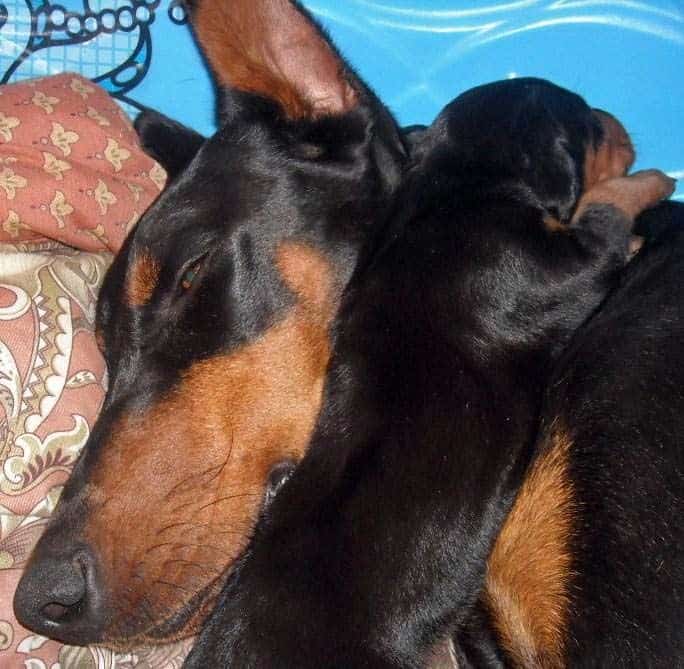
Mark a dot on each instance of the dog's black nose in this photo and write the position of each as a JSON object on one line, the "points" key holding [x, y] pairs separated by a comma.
{"points": [[58, 597]]}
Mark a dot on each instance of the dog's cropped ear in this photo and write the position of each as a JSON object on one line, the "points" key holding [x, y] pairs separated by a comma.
{"points": [[274, 49], [170, 143]]}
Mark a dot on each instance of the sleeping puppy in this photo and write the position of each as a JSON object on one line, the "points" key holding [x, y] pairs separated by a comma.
{"points": [[588, 571], [505, 237]]}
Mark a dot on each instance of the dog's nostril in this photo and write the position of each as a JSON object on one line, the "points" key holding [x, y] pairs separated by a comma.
{"points": [[67, 595], [55, 611]]}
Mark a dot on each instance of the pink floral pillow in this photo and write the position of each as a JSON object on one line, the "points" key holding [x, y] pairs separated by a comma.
{"points": [[70, 165], [73, 180]]}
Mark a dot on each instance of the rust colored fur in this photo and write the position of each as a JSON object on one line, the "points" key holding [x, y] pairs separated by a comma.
{"points": [[216, 353], [529, 570], [306, 272], [605, 168], [614, 157], [628, 194], [143, 277], [273, 389]]}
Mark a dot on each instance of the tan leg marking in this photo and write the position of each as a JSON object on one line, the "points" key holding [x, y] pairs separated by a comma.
{"points": [[631, 195], [529, 570]]}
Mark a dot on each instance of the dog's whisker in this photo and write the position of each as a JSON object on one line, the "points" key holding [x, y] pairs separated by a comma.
{"points": [[190, 563], [222, 500], [171, 585], [199, 480]]}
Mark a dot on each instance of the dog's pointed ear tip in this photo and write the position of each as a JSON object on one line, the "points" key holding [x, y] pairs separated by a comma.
{"points": [[151, 120], [277, 50], [168, 141]]}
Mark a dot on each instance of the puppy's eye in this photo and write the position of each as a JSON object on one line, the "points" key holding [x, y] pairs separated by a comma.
{"points": [[190, 275]]}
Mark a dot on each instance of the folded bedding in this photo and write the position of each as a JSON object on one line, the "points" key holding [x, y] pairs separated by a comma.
{"points": [[73, 181]]}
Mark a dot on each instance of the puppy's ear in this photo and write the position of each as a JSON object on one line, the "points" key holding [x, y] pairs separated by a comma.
{"points": [[274, 49], [170, 143]]}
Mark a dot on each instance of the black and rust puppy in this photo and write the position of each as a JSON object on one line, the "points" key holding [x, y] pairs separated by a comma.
{"points": [[589, 569], [498, 249]]}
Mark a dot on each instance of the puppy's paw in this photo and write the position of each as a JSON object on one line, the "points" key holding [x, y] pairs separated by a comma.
{"points": [[645, 189], [631, 194]]}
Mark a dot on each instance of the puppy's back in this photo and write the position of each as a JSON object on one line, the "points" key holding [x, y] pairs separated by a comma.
{"points": [[612, 426]]}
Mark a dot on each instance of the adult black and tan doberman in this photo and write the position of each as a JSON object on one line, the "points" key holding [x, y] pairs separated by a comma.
{"points": [[214, 322], [217, 322]]}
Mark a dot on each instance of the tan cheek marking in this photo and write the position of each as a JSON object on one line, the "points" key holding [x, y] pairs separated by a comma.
{"points": [[307, 273], [529, 570], [265, 47], [184, 482], [142, 279], [614, 156]]}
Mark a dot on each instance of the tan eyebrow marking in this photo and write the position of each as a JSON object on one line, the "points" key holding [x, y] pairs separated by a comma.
{"points": [[142, 279]]}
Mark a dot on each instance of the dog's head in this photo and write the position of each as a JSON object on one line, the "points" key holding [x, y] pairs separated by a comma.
{"points": [[214, 324], [531, 136]]}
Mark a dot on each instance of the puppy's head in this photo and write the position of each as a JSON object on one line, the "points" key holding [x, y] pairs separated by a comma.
{"points": [[214, 324], [532, 134]]}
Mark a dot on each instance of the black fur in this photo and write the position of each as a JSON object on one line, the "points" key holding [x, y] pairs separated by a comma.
{"points": [[376, 547], [167, 141], [620, 389]]}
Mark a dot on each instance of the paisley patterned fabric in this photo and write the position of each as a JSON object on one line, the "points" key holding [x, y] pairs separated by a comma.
{"points": [[72, 173]]}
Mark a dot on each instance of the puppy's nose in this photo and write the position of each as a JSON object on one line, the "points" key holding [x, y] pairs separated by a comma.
{"points": [[58, 596]]}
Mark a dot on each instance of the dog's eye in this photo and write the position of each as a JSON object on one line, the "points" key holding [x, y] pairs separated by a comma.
{"points": [[279, 475], [190, 275]]}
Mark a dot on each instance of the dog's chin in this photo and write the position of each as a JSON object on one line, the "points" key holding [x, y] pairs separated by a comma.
{"points": [[186, 621], [181, 625]]}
